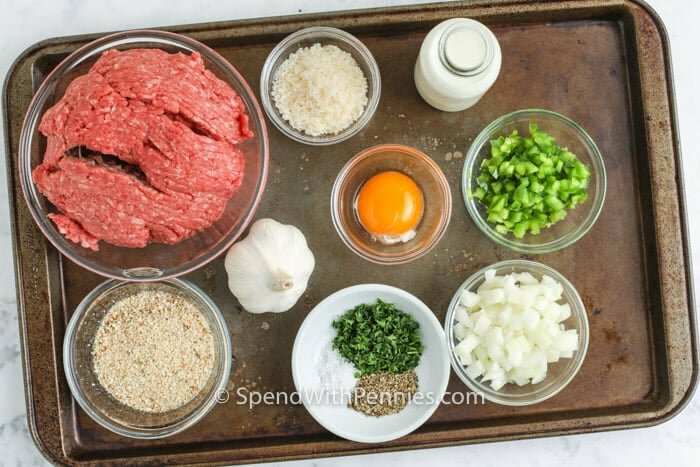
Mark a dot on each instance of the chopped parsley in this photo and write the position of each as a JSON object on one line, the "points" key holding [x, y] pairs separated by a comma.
{"points": [[378, 337]]}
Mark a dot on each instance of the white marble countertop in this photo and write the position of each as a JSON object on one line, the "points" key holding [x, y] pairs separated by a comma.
{"points": [[23, 23]]}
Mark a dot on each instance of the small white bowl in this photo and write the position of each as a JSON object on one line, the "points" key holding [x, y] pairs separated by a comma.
{"points": [[433, 369]]}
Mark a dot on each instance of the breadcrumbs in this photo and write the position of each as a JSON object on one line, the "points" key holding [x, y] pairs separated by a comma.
{"points": [[153, 351]]}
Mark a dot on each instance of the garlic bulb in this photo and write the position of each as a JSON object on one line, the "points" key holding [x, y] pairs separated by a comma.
{"points": [[269, 270]]}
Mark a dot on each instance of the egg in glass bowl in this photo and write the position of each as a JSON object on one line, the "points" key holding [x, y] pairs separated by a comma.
{"points": [[391, 204]]}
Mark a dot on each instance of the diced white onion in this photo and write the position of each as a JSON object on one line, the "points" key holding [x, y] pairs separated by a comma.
{"points": [[462, 316], [482, 326], [469, 299], [467, 345], [564, 312], [460, 331], [475, 370], [512, 328]]}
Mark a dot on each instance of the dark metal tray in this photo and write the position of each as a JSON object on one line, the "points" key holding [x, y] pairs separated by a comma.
{"points": [[605, 64]]}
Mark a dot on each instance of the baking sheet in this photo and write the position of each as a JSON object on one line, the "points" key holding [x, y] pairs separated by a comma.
{"points": [[604, 64]]}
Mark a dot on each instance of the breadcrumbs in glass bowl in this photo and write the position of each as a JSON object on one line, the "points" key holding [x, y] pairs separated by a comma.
{"points": [[147, 360]]}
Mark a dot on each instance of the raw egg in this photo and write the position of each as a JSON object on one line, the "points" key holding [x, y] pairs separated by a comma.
{"points": [[390, 206]]}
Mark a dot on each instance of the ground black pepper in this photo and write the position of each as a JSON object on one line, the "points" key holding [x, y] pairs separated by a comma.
{"points": [[384, 393]]}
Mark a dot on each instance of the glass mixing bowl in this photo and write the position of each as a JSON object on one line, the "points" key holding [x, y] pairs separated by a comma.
{"points": [[559, 374], [567, 133], [105, 409], [156, 261]]}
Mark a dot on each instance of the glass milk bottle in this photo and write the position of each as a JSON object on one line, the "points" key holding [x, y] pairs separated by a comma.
{"points": [[458, 62]]}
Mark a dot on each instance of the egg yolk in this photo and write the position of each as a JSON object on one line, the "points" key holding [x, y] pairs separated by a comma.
{"points": [[390, 203]]}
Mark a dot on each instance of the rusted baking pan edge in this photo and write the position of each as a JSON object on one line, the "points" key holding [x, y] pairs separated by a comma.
{"points": [[646, 35]]}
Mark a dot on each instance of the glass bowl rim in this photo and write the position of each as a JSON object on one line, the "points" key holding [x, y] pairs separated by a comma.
{"points": [[345, 37], [577, 308], [513, 244], [148, 273], [224, 345], [445, 215]]}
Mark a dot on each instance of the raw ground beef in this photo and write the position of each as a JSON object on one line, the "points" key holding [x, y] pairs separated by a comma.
{"points": [[142, 149]]}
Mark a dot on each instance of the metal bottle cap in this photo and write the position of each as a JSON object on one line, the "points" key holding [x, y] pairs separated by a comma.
{"points": [[465, 50]]}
